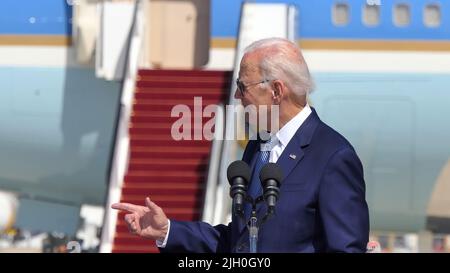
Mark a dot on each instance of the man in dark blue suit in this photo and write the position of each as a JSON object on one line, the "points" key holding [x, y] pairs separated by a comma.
{"points": [[322, 206]]}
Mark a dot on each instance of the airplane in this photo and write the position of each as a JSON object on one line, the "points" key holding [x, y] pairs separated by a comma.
{"points": [[381, 73]]}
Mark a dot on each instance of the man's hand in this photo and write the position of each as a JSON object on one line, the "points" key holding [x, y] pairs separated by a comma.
{"points": [[149, 222]]}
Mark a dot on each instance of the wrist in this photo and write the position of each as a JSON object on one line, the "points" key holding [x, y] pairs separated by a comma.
{"points": [[164, 232]]}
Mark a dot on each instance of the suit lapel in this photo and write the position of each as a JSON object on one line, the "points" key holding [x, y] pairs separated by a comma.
{"points": [[291, 156], [250, 151], [294, 151]]}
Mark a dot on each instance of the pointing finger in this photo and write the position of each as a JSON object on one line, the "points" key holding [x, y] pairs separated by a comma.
{"points": [[125, 207]]}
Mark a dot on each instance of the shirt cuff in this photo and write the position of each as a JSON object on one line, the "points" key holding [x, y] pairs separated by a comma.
{"points": [[163, 243]]}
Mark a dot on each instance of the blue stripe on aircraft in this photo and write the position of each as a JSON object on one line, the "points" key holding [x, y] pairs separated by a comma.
{"points": [[54, 16], [34, 17], [315, 20]]}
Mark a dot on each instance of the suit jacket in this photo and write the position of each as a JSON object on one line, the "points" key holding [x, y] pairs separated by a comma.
{"points": [[321, 208]]}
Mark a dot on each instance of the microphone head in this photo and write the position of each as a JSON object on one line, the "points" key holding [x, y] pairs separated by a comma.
{"points": [[271, 171], [238, 168]]}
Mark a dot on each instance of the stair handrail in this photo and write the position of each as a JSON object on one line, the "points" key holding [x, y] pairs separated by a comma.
{"points": [[228, 154], [214, 166], [120, 157]]}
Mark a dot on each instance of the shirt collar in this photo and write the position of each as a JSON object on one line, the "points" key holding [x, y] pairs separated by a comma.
{"points": [[286, 133]]}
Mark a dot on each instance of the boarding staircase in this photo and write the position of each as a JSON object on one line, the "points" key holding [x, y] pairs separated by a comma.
{"points": [[172, 173]]}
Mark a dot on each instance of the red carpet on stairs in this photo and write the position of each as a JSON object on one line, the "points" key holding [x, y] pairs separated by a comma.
{"points": [[172, 173]]}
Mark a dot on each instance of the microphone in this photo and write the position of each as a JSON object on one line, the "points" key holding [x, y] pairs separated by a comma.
{"points": [[238, 174], [270, 176]]}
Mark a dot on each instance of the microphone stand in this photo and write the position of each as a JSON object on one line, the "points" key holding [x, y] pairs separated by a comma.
{"points": [[253, 225]]}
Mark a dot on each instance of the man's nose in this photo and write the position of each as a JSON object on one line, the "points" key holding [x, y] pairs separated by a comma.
{"points": [[237, 94]]}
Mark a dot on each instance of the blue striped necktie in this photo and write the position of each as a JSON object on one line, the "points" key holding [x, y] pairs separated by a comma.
{"points": [[255, 188]]}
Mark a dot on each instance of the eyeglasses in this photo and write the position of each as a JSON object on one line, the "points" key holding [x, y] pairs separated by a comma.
{"points": [[241, 86]]}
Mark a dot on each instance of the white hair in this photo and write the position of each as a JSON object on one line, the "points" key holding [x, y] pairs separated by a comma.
{"points": [[283, 60]]}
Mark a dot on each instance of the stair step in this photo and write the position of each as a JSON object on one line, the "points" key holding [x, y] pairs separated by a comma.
{"points": [[171, 213], [126, 248], [185, 73], [134, 241], [173, 173], [169, 186], [160, 114], [164, 114], [181, 84], [186, 96], [167, 154], [129, 178], [163, 191], [171, 161], [173, 202], [161, 117], [125, 235], [163, 177], [157, 140], [182, 90], [155, 167], [143, 142], [166, 125], [157, 137], [160, 198], [151, 189], [166, 129], [172, 102], [181, 164], [169, 107], [169, 80], [152, 119], [190, 148], [126, 239]]}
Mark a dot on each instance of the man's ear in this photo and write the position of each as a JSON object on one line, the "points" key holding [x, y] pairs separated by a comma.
{"points": [[277, 91]]}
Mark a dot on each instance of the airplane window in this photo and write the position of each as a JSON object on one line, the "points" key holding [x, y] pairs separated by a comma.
{"points": [[432, 15], [402, 15], [341, 14], [371, 15]]}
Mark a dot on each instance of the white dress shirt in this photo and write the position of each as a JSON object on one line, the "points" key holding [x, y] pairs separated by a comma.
{"points": [[284, 135]]}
